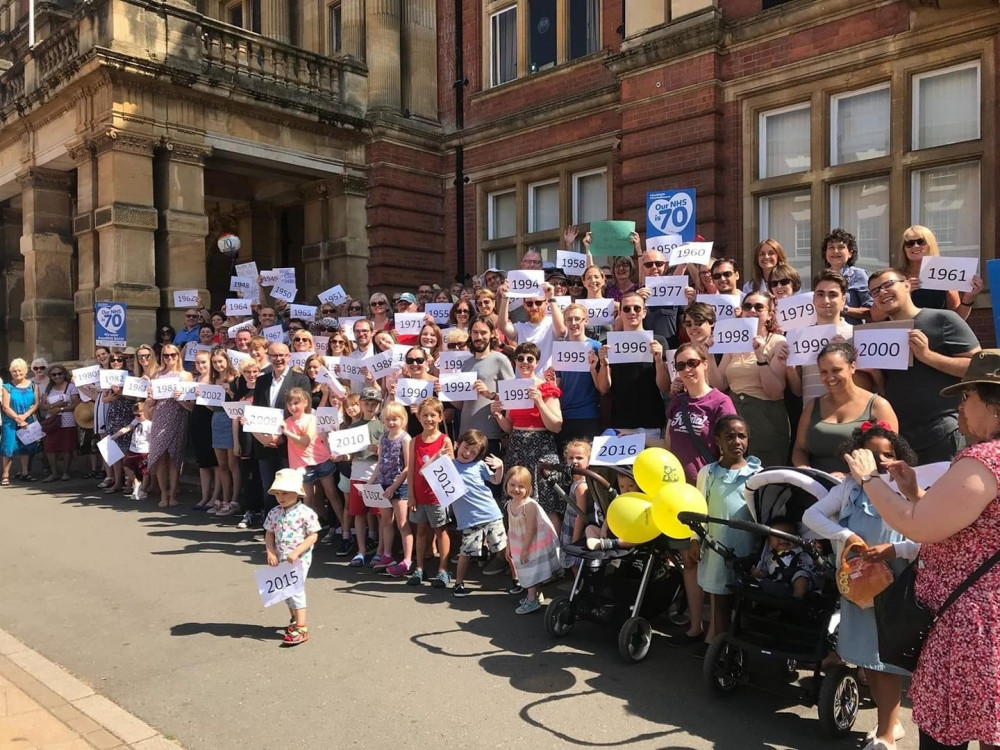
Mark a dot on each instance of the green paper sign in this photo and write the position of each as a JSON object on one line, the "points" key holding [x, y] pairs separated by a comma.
{"points": [[611, 238]]}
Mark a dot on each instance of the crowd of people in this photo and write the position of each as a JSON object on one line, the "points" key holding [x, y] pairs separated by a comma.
{"points": [[425, 380]]}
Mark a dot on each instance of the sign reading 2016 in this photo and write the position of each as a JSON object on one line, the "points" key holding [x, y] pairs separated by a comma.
{"points": [[671, 212]]}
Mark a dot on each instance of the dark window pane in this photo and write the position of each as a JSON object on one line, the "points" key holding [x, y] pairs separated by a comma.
{"points": [[236, 15], [584, 28], [542, 48], [255, 16]]}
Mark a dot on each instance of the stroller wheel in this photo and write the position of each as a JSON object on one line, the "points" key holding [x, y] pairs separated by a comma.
{"points": [[634, 639], [724, 667], [559, 618], [839, 701]]}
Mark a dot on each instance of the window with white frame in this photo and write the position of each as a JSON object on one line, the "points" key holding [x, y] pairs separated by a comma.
{"points": [[862, 208], [946, 200], [503, 46], [543, 206], [859, 125], [243, 13], [784, 141], [787, 217], [590, 196], [334, 28], [502, 214], [946, 106]]}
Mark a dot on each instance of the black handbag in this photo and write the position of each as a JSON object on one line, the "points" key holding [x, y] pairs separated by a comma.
{"points": [[903, 623]]}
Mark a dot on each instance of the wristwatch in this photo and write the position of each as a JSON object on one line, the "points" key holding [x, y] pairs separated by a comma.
{"points": [[867, 478]]}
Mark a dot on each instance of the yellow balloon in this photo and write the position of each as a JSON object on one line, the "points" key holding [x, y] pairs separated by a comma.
{"points": [[630, 517], [673, 499], [655, 467]]}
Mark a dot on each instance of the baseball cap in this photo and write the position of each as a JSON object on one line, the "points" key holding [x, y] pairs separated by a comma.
{"points": [[371, 394], [407, 297]]}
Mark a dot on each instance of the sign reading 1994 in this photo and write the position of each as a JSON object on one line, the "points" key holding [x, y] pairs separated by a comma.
{"points": [[671, 212]]}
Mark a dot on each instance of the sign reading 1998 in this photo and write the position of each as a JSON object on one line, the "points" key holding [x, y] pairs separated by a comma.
{"points": [[671, 212]]}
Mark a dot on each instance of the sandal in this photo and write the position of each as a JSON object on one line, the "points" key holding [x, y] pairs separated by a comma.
{"points": [[112, 490], [29, 478], [5, 482]]}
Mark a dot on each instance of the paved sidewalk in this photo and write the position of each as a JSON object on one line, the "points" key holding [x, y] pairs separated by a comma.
{"points": [[44, 706]]}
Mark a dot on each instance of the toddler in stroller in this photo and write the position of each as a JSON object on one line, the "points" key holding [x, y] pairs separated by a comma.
{"points": [[785, 568]]}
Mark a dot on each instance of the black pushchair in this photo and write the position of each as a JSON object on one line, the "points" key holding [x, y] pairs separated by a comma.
{"points": [[622, 588], [771, 623]]}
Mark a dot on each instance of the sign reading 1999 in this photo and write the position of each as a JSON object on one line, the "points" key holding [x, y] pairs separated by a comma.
{"points": [[671, 212]]}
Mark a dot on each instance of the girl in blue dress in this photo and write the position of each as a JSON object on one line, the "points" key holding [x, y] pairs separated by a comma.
{"points": [[846, 516]]}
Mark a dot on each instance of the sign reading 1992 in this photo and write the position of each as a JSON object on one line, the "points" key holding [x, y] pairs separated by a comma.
{"points": [[671, 212]]}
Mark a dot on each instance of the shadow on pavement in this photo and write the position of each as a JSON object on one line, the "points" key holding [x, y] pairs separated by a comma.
{"points": [[225, 630]]}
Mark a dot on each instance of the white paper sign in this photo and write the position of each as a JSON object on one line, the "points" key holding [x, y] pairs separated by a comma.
{"points": [[733, 336], [699, 253], [450, 362], [243, 284], [345, 442], [399, 355], [110, 451], [525, 283], [237, 357], [286, 275], [379, 365], [210, 395], [191, 350], [163, 388], [374, 496], [303, 312], [562, 301], [247, 269], [135, 387], [298, 359], [336, 387], [947, 273], [670, 356], [666, 291], [238, 308], [112, 378], [571, 356], [600, 312], [327, 418], [459, 387], [882, 348], [275, 584], [804, 344], [630, 346], [411, 391], [32, 433], [273, 333], [186, 390], [408, 323], [263, 420], [440, 311], [347, 326], [444, 481], [617, 450], [87, 375], [352, 369], [725, 305], [572, 263], [246, 325], [269, 278], [796, 311], [234, 409], [927, 475], [335, 295], [664, 244], [514, 393], [284, 291], [186, 298], [322, 344]]}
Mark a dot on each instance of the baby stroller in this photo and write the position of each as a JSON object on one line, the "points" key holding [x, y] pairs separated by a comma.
{"points": [[770, 623], [622, 588]]}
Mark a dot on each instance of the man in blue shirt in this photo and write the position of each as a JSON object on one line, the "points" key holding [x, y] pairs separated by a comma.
{"points": [[190, 330]]}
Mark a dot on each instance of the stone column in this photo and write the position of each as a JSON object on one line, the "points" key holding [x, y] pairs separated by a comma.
{"points": [[12, 280], [317, 273], [179, 194], [382, 33], [274, 20], [419, 44], [346, 252], [47, 247], [87, 247], [126, 220], [352, 27]]}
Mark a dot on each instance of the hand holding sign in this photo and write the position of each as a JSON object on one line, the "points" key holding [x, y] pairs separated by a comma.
{"points": [[947, 273], [440, 311], [630, 346], [600, 312], [459, 387], [612, 237], [444, 480], [238, 308], [411, 391], [725, 305], [262, 420], [666, 291], [571, 356], [572, 264], [335, 296], [797, 311], [515, 394], [882, 348], [345, 442], [187, 298], [733, 336], [210, 395], [698, 253], [277, 583], [373, 496], [523, 284], [409, 323], [109, 451], [805, 344], [163, 388]]}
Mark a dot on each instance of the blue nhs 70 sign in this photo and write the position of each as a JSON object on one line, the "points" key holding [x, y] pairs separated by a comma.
{"points": [[670, 212]]}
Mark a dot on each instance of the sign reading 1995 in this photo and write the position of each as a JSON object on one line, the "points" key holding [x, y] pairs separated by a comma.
{"points": [[670, 212]]}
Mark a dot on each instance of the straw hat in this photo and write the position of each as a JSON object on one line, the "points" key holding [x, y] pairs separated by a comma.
{"points": [[84, 414]]}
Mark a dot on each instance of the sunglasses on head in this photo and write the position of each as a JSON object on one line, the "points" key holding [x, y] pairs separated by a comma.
{"points": [[654, 264], [527, 358], [415, 360], [913, 243], [722, 275], [779, 282], [534, 303], [691, 363]]}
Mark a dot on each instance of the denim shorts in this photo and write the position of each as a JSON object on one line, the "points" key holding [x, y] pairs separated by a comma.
{"points": [[319, 471]]}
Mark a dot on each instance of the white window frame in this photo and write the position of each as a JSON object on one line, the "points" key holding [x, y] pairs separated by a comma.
{"points": [[532, 186], [491, 213], [915, 175], [834, 130], [517, 41], [334, 46], [915, 114], [762, 138], [576, 189]]}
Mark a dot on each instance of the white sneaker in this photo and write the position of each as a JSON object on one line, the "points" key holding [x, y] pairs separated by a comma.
{"points": [[140, 495], [244, 522], [898, 733]]}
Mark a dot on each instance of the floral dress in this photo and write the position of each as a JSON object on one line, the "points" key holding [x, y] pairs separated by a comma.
{"points": [[119, 416], [956, 687], [168, 435]]}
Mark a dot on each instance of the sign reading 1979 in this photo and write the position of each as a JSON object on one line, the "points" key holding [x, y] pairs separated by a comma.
{"points": [[670, 212]]}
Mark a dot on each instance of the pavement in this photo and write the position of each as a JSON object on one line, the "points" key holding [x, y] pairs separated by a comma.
{"points": [[153, 613]]}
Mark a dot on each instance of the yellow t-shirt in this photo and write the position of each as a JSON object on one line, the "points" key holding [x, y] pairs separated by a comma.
{"points": [[744, 374]]}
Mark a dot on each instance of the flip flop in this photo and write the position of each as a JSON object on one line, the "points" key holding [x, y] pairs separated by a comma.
{"points": [[5, 482]]}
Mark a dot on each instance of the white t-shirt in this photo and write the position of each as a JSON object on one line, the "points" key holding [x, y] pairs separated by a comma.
{"points": [[540, 335], [140, 436]]}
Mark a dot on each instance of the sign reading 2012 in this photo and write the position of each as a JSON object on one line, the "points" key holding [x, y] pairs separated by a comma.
{"points": [[671, 212]]}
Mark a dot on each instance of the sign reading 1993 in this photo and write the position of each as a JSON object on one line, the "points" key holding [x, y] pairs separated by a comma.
{"points": [[670, 212]]}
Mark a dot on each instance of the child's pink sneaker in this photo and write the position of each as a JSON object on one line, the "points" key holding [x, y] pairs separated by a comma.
{"points": [[385, 562], [400, 569]]}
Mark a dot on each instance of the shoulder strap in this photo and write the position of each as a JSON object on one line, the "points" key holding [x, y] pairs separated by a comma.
{"points": [[967, 583], [695, 437]]}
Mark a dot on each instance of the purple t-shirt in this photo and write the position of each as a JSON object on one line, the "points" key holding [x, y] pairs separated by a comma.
{"points": [[704, 413]]}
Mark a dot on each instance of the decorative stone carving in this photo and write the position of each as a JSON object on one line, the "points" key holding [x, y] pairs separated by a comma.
{"points": [[125, 215], [83, 223], [187, 152], [354, 185], [120, 140], [45, 179]]}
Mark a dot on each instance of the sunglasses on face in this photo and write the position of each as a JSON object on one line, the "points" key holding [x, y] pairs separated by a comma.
{"points": [[58, 374], [574, 320], [142, 356], [117, 359], [705, 273], [463, 312], [165, 332], [38, 369], [779, 282], [631, 308], [415, 360], [302, 338], [481, 302], [654, 264], [884, 286], [692, 322], [526, 358], [691, 363], [453, 345], [722, 275], [337, 342], [353, 308], [377, 304], [758, 307], [920, 241], [167, 355], [534, 303]]}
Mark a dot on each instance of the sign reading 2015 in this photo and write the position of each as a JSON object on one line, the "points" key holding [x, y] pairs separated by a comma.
{"points": [[671, 212]]}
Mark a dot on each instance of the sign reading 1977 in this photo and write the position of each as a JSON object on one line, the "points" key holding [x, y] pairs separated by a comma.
{"points": [[670, 212]]}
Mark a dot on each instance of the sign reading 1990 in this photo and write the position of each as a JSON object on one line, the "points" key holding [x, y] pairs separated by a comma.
{"points": [[671, 212]]}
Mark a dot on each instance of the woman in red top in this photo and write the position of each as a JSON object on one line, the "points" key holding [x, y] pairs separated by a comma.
{"points": [[532, 430]]}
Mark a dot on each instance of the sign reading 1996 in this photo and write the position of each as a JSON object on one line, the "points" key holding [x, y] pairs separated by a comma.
{"points": [[670, 212]]}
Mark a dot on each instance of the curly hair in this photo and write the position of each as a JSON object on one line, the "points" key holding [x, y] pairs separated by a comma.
{"points": [[869, 430]]}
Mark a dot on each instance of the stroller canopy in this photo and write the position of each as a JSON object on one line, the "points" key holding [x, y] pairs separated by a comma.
{"points": [[786, 492]]}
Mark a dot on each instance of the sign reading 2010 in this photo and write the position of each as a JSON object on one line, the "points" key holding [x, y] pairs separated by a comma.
{"points": [[670, 212]]}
